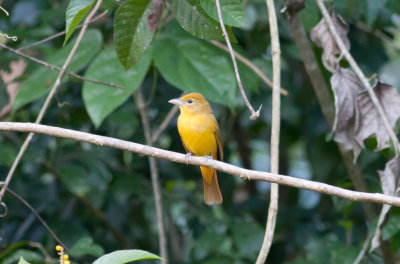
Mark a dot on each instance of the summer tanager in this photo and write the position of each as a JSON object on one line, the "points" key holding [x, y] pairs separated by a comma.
{"points": [[200, 136]]}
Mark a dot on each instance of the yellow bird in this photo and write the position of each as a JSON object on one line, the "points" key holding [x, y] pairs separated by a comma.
{"points": [[200, 136]]}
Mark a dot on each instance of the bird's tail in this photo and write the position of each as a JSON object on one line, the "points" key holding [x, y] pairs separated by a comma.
{"points": [[212, 194]]}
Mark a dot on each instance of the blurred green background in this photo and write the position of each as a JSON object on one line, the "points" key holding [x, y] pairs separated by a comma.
{"points": [[100, 199]]}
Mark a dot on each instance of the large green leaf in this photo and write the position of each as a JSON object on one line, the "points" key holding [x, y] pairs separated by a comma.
{"points": [[100, 100], [76, 11], [196, 21], [41, 80], [125, 256], [193, 65], [132, 33], [232, 11]]}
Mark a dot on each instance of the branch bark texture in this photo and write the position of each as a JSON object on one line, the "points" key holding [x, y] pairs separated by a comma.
{"points": [[200, 161]]}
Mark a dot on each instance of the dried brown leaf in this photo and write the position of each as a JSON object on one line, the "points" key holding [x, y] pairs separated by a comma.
{"points": [[324, 39], [346, 86], [371, 122], [17, 69], [155, 15], [356, 117], [389, 182]]}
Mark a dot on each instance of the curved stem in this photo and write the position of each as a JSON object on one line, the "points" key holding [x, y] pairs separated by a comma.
{"points": [[275, 129], [254, 115]]}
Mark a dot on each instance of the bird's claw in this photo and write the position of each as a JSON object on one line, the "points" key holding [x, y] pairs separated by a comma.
{"points": [[187, 157]]}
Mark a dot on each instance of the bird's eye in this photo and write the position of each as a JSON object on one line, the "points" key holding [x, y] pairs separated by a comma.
{"points": [[190, 101]]}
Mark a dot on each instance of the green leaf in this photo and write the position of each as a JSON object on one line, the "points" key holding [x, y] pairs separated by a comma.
{"points": [[100, 100], [232, 11], [76, 11], [41, 80], [195, 20], [373, 8], [310, 15], [193, 65], [22, 261], [125, 256], [27, 255], [85, 246], [132, 33]]}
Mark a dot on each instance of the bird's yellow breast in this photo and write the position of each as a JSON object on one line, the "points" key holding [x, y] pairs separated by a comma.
{"points": [[197, 133]]}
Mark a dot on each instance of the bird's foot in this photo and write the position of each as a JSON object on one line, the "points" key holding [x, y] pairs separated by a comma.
{"points": [[187, 157]]}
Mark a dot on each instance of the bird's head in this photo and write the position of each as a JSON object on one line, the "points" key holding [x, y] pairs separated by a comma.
{"points": [[192, 103]]}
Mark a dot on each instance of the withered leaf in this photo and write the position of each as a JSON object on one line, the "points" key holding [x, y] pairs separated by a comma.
{"points": [[17, 69], [323, 38], [346, 86], [356, 117], [371, 123], [155, 15], [389, 182]]}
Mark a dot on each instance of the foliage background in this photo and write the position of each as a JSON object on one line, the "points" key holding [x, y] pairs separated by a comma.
{"points": [[99, 199]]}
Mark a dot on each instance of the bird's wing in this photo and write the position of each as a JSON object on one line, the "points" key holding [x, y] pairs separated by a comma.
{"points": [[217, 134]]}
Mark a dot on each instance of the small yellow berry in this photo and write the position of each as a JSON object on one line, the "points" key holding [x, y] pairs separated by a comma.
{"points": [[66, 257], [58, 248], [67, 262]]}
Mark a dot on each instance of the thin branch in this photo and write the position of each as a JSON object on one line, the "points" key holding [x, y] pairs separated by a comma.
{"points": [[328, 109], [254, 115], [41, 220], [325, 100], [249, 64], [61, 33], [54, 67], [360, 75], [155, 179], [48, 99], [164, 123], [363, 249], [275, 129], [201, 161]]}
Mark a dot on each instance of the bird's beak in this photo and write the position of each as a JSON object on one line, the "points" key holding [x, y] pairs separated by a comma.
{"points": [[176, 101]]}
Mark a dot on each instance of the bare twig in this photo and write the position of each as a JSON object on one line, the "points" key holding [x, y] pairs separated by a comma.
{"points": [[155, 179], [363, 249], [254, 115], [22, 200], [201, 161], [61, 33], [325, 100], [275, 129], [360, 75], [328, 109], [54, 67], [48, 99], [249, 64], [164, 123]]}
